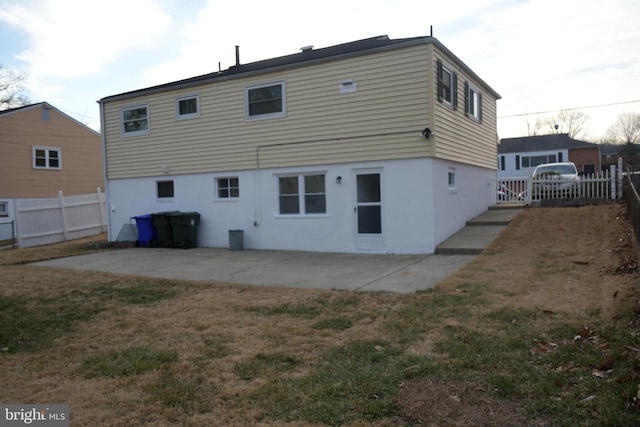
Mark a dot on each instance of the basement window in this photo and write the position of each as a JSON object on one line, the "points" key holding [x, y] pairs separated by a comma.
{"points": [[164, 189], [302, 195]]}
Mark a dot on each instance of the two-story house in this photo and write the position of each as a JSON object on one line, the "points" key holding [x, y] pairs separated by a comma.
{"points": [[44, 151], [517, 157], [384, 145]]}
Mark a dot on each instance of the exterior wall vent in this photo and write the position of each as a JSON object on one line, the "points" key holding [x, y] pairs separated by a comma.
{"points": [[348, 86], [306, 48]]}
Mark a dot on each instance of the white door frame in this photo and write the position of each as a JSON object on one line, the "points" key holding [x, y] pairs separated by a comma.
{"points": [[371, 239]]}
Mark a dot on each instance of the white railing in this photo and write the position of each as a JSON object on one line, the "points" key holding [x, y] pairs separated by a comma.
{"points": [[606, 185], [52, 220]]}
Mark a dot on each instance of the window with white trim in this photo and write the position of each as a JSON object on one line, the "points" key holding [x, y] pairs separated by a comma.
{"points": [[452, 179], [188, 107], [265, 101], [135, 120], [47, 158], [472, 102], [302, 195], [228, 188], [4, 208], [164, 189]]}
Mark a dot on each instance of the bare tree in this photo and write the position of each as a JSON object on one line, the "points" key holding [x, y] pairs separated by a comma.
{"points": [[625, 130], [11, 89], [533, 128], [573, 123]]}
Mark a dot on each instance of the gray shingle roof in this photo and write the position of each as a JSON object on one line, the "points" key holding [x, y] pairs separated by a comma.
{"points": [[305, 57], [541, 143]]}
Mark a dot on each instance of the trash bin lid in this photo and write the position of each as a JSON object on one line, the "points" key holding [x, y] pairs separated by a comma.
{"points": [[145, 216]]}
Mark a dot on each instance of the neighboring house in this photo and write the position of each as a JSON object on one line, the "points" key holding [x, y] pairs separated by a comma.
{"points": [[44, 151], [517, 157], [375, 145]]}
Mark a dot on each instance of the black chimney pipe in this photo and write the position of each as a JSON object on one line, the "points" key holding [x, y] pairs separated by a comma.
{"points": [[237, 56]]}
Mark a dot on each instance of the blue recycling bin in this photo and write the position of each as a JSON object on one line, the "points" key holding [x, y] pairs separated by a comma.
{"points": [[146, 232]]}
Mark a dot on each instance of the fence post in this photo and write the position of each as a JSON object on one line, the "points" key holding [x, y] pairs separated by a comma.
{"points": [[620, 173], [64, 216], [612, 168], [103, 220]]}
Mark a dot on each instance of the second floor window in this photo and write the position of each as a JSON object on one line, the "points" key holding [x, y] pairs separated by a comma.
{"points": [[135, 120], [47, 158], [188, 107], [473, 102], [265, 101], [447, 85]]}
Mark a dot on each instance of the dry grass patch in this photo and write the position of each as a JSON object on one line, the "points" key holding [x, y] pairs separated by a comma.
{"points": [[500, 342]]}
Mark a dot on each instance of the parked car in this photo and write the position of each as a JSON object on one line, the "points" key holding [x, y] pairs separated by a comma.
{"points": [[555, 180]]}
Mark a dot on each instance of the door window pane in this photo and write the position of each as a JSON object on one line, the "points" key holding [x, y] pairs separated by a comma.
{"points": [[369, 220], [368, 188]]}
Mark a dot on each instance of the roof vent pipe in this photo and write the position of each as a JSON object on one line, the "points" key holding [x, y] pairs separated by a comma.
{"points": [[237, 56]]}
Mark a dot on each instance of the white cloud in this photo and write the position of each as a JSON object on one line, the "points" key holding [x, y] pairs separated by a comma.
{"points": [[77, 38], [540, 55]]}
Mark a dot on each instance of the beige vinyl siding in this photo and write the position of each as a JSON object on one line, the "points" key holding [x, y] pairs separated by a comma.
{"points": [[81, 151], [382, 120], [460, 138]]}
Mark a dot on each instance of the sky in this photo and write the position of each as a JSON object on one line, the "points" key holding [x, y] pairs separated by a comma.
{"points": [[541, 56]]}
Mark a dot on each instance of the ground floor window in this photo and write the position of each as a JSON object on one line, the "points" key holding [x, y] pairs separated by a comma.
{"points": [[164, 189], [228, 188], [452, 179], [302, 195], [4, 209]]}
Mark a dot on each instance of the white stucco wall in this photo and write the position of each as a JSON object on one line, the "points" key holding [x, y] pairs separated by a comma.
{"points": [[419, 210]]}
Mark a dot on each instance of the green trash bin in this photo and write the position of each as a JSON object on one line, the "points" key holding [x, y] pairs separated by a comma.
{"points": [[164, 232], [184, 226]]}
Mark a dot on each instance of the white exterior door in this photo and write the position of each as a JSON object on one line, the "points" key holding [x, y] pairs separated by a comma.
{"points": [[368, 211]]}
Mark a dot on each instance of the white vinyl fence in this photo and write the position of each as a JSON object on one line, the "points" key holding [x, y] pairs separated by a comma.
{"points": [[53, 220], [605, 185]]}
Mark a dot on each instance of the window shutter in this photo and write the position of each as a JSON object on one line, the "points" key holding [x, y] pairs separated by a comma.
{"points": [[466, 98], [502, 163], [517, 162], [454, 91], [480, 107], [439, 72]]}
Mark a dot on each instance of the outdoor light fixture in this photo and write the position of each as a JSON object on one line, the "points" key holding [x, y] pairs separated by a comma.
{"points": [[426, 133], [338, 180], [165, 168]]}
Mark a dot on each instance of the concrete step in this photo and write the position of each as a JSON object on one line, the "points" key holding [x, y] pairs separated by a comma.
{"points": [[478, 233]]}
